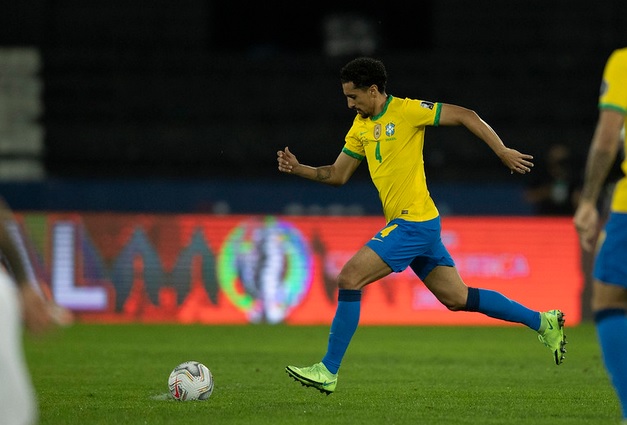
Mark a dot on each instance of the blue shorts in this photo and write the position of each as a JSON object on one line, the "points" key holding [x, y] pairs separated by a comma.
{"points": [[416, 244], [611, 262]]}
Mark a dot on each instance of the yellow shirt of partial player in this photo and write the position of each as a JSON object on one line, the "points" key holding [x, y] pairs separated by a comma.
{"points": [[614, 96], [392, 144]]}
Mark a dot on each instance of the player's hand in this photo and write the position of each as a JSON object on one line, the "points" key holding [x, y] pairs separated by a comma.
{"points": [[586, 222], [287, 161], [35, 312], [516, 161]]}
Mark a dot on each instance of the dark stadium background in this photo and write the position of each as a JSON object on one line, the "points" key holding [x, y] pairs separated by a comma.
{"points": [[181, 105]]}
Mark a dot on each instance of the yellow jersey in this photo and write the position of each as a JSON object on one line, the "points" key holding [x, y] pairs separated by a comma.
{"points": [[614, 96], [392, 143]]}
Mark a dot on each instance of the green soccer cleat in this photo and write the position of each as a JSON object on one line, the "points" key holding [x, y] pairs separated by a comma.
{"points": [[553, 335], [316, 376]]}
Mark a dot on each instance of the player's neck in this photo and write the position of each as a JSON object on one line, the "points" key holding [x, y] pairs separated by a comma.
{"points": [[381, 102]]}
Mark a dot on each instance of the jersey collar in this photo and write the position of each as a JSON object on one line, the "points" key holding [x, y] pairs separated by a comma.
{"points": [[385, 108]]}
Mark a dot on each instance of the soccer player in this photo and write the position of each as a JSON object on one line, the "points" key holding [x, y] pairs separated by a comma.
{"points": [[19, 303], [609, 287], [389, 133]]}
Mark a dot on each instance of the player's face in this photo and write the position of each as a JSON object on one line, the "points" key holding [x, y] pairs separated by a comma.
{"points": [[359, 99]]}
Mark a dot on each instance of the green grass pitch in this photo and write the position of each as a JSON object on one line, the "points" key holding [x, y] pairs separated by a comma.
{"points": [[117, 374]]}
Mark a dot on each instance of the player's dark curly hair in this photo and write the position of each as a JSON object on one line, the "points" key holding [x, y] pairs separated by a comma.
{"points": [[364, 72]]}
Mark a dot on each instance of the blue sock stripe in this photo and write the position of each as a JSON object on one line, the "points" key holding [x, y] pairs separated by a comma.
{"points": [[349, 295], [472, 303], [608, 312]]}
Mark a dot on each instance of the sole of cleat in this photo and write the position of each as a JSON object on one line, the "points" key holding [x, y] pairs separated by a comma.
{"points": [[560, 354]]}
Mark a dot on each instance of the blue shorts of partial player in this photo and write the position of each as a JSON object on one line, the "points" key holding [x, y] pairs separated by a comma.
{"points": [[611, 262], [403, 243]]}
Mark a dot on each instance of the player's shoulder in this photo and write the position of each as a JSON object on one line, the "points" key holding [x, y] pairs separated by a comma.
{"points": [[615, 68], [420, 106], [619, 56], [621, 51], [412, 102]]}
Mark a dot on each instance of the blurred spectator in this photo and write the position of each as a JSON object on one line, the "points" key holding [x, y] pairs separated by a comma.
{"points": [[348, 34], [555, 185]]}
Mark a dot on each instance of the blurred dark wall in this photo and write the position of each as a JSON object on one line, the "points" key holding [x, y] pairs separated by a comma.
{"points": [[208, 89]]}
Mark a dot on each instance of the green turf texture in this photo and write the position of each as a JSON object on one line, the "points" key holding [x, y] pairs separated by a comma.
{"points": [[117, 374]]}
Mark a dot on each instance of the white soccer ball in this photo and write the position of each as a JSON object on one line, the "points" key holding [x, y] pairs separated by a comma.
{"points": [[190, 381]]}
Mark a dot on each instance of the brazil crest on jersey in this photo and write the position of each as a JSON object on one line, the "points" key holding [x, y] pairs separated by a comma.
{"points": [[614, 96], [392, 144]]}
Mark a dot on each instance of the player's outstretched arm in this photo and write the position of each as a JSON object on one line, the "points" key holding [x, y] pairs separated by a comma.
{"points": [[335, 175], [511, 158]]}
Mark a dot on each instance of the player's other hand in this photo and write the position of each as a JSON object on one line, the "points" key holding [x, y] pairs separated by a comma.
{"points": [[287, 161], [36, 315], [586, 220], [516, 161]]}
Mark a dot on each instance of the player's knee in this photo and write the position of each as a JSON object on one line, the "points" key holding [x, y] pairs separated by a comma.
{"points": [[606, 296], [454, 303], [344, 281], [455, 306]]}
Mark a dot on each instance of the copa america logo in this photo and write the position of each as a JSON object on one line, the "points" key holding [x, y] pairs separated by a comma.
{"points": [[265, 268]]}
